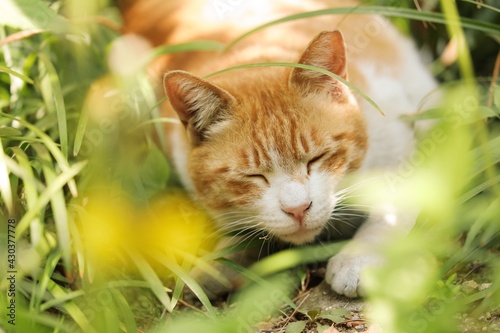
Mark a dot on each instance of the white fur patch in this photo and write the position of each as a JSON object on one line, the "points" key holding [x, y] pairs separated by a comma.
{"points": [[318, 189], [293, 194]]}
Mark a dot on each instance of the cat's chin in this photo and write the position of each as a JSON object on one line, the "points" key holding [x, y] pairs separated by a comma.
{"points": [[300, 236]]}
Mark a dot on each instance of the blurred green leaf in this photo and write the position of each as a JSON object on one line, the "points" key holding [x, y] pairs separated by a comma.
{"points": [[54, 100], [322, 328], [336, 315], [7, 70], [313, 314], [29, 15], [10, 131]]}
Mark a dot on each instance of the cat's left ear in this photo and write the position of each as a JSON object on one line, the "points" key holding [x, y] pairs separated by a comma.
{"points": [[326, 51], [199, 104]]}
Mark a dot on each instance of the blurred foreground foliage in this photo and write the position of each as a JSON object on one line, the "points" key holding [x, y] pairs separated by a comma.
{"points": [[83, 174]]}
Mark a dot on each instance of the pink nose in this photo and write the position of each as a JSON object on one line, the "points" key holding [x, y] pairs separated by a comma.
{"points": [[298, 212]]}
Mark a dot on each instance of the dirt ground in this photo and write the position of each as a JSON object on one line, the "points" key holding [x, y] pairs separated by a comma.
{"points": [[334, 313], [352, 314]]}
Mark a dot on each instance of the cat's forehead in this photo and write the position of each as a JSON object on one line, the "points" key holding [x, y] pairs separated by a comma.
{"points": [[275, 126], [274, 137]]}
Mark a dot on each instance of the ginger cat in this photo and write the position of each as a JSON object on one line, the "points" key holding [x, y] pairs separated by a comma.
{"points": [[267, 147]]}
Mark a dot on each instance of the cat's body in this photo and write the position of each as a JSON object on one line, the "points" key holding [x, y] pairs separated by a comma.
{"points": [[267, 147]]}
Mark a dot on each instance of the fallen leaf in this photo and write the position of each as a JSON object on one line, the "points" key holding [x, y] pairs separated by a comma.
{"points": [[331, 330], [336, 315], [296, 327]]}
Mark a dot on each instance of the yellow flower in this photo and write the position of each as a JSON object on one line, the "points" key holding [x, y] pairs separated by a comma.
{"points": [[176, 227]]}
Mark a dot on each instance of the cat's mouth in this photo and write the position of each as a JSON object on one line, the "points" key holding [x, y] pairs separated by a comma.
{"points": [[299, 236]]}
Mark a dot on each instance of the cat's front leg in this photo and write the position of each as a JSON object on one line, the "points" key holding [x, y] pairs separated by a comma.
{"points": [[344, 270]]}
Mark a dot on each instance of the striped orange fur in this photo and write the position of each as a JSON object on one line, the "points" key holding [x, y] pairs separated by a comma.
{"points": [[267, 147]]}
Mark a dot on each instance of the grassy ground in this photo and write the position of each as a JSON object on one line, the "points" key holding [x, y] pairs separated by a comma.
{"points": [[85, 192]]}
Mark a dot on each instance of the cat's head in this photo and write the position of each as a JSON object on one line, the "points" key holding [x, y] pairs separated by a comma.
{"points": [[269, 148]]}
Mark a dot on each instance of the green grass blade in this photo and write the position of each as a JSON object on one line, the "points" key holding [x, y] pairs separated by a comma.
{"points": [[51, 146], [481, 223], [485, 157], [232, 249], [14, 169], [178, 291], [455, 25], [30, 193], [247, 273], [407, 13], [159, 129], [479, 188], [313, 68], [477, 296], [7, 70], [24, 139], [40, 288], [188, 280], [56, 102], [455, 30], [483, 5], [71, 308], [252, 276], [59, 182], [161, 120], [78, 246], [125, 310], [105, 286], [153, 280], [5, 189], [108, 320], [291, 258], [202, 45], [80, 130], [58, 205], [203, 265], [60, 300]]}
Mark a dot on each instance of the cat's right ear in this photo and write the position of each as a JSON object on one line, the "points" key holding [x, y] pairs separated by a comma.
{"points": [[326, 51], [198, 103]]}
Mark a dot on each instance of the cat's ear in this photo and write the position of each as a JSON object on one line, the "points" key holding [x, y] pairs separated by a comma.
{"points": [[199, 104], [326, 51]]}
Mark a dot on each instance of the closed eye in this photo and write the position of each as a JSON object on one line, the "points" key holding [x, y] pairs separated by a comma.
{"points": [[258, 177], [314, 160]]}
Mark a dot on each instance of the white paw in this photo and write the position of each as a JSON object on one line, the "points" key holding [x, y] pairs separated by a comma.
{"points": [[343, 272]]}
